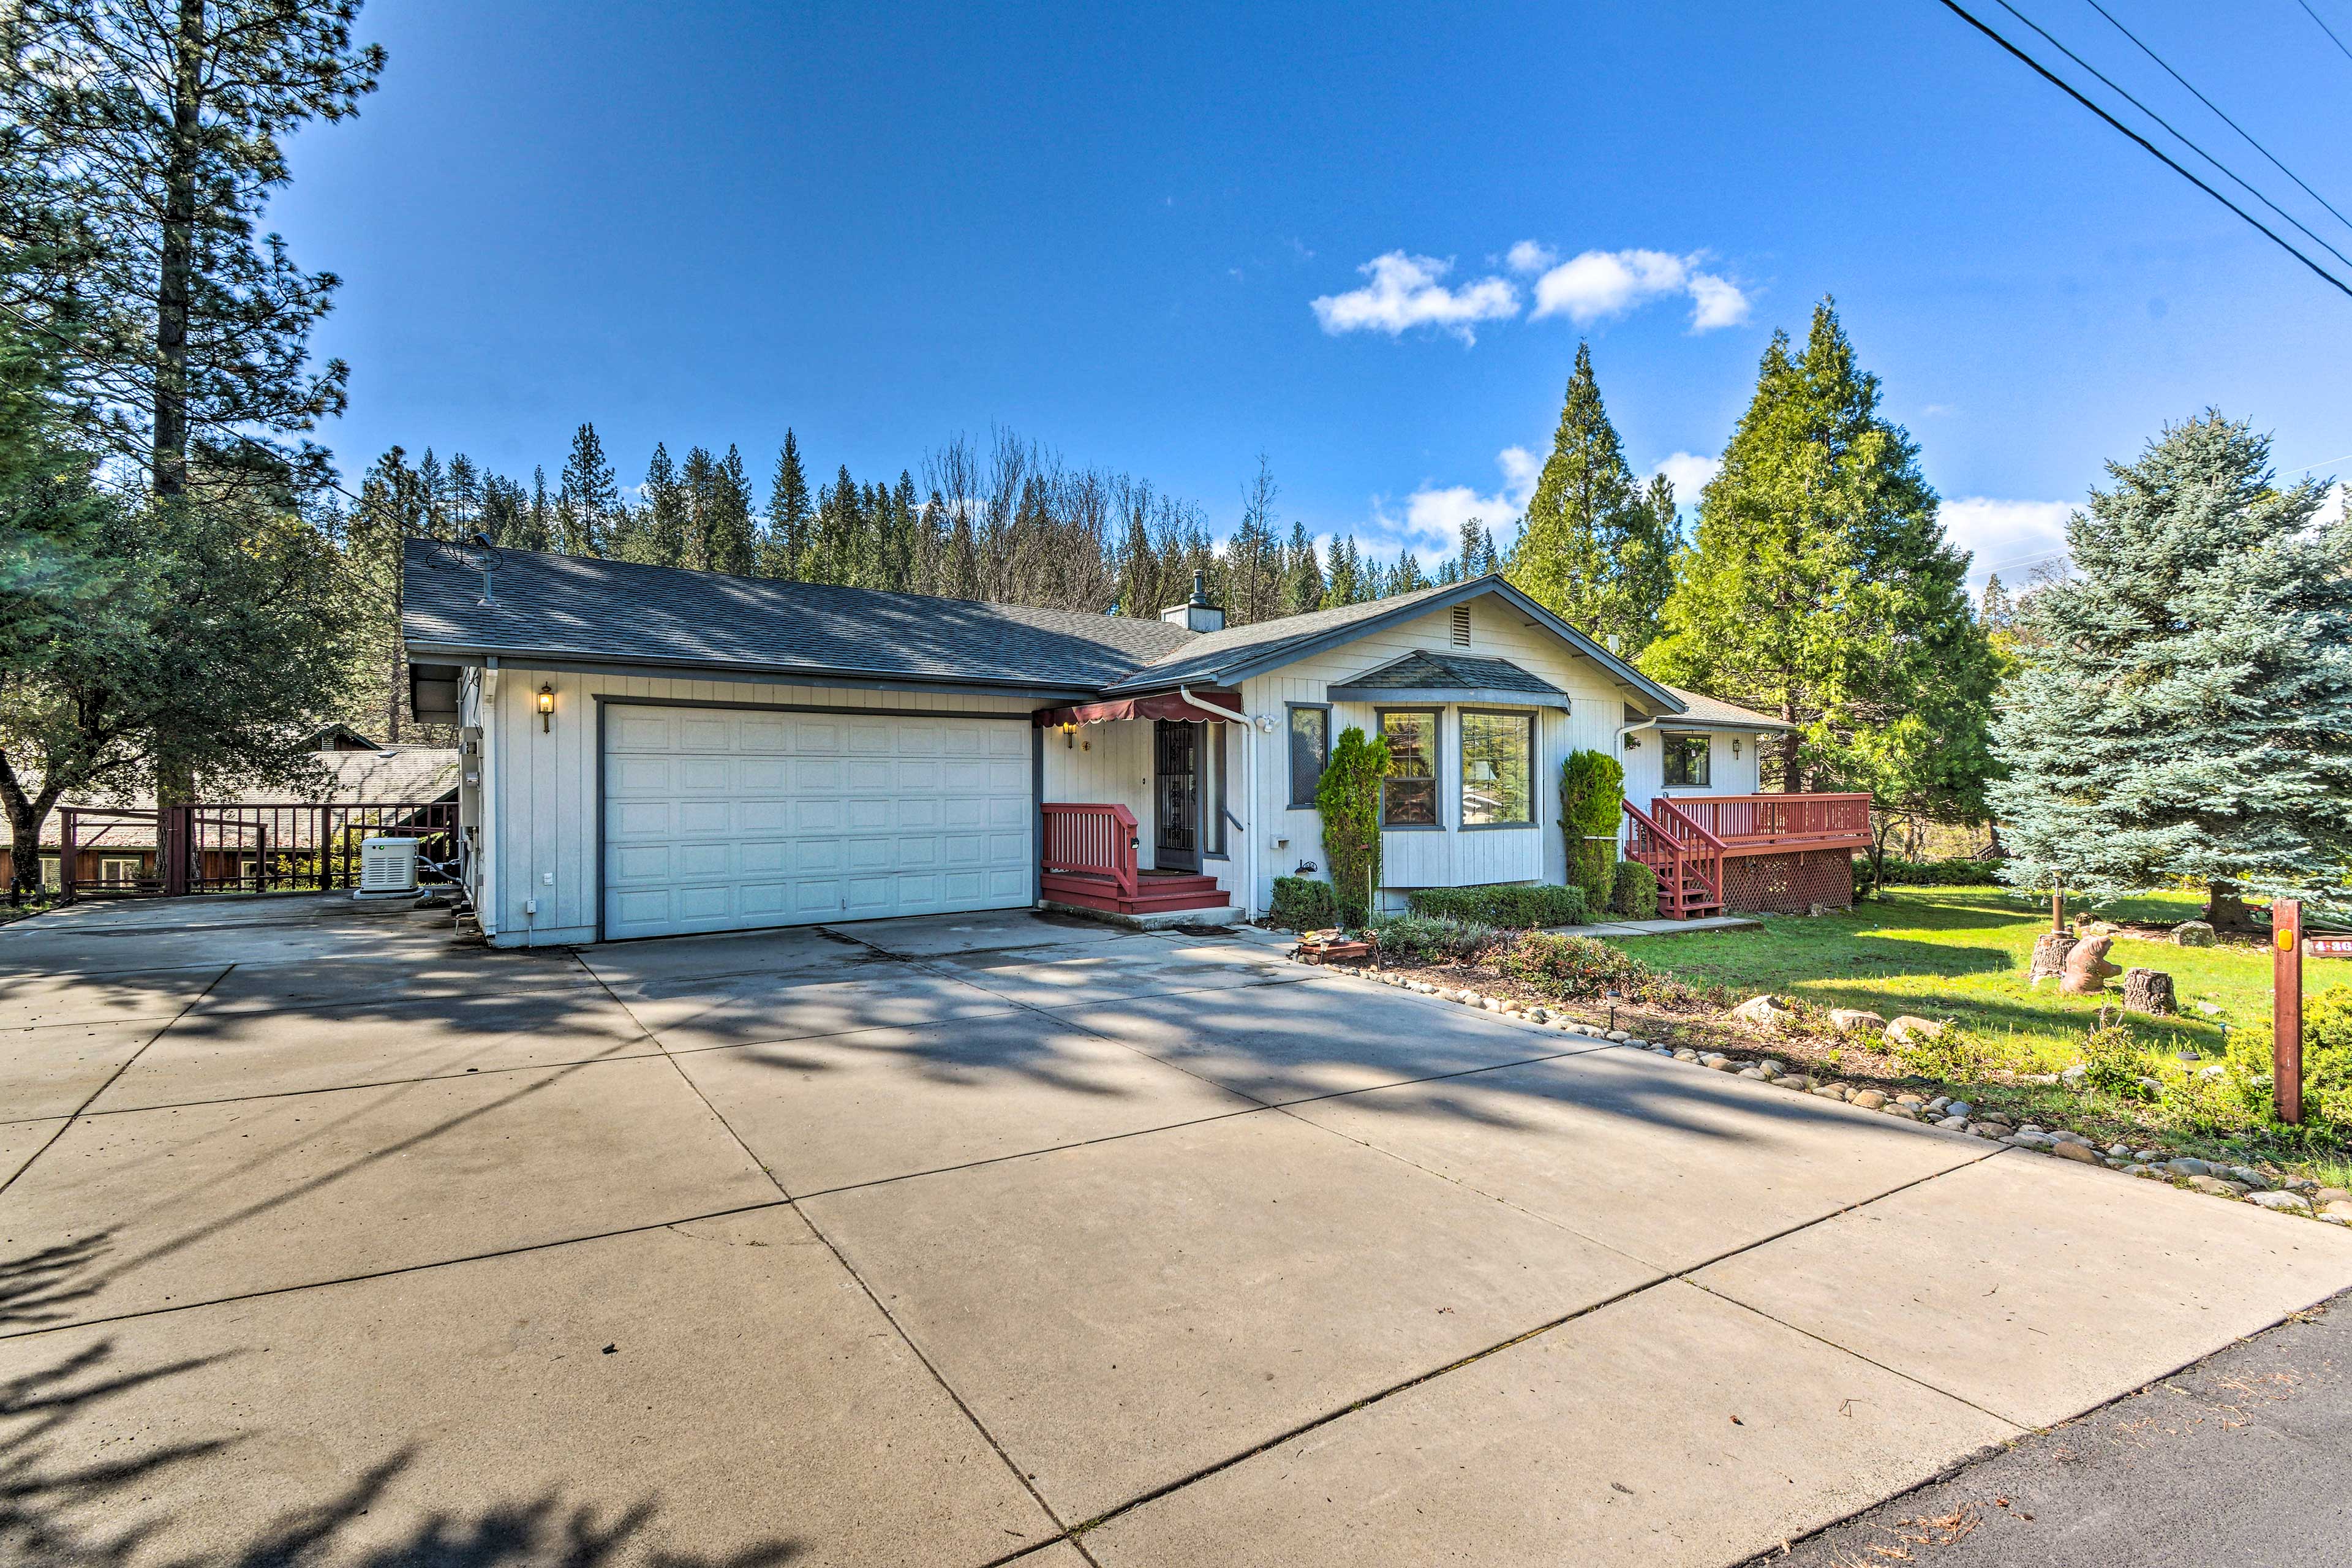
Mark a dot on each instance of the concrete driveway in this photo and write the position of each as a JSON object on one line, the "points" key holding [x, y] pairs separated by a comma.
{"points": [[962, 1240]]}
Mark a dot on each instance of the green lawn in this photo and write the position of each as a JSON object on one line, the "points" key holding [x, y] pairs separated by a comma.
{"points": [[1961, 953]]}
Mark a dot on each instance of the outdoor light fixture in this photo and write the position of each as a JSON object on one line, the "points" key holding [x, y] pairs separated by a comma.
{"points": [[546, 708], [1734, 745]]}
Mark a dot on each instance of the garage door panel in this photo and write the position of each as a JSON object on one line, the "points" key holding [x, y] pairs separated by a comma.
{"points": [[722, 818]]}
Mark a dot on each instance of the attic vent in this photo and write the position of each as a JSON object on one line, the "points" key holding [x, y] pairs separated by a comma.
{"points": [[1461, 626]]}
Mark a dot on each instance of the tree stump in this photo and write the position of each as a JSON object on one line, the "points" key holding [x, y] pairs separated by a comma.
{"points": [[2087, 969], [2149, 991], [2224, 911], [2050, 951]]}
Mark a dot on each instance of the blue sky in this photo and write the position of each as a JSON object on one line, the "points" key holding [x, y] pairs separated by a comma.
{"points": [[1109, 227]]}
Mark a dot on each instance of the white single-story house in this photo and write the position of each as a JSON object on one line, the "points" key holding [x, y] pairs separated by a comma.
{"points": [[650, 751]]}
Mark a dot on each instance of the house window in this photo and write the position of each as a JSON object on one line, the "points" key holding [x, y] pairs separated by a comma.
{"points": [[1310, 748], [1408, 793], [118, 868], [1686, 761], [1498, 780]]}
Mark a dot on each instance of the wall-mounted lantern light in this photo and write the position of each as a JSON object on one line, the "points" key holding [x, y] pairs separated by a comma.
{"points": [[546, 708], [1734, 745], [1069, 736]]}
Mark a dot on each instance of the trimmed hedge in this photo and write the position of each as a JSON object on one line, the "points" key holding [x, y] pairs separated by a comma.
{"points": [[1636, 895], [1930, 873], [1422, 940], [1303, 904], [1511, 906]]}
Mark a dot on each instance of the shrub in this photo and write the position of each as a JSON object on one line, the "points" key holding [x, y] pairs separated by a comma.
{"points": [[1591, 802], [1636, 895], [1303, 904], [2326, 1056], [2113, 1063], [1562, 965], [1422, 940], [1514, 906], [1348, 801], [1954, 1055]]}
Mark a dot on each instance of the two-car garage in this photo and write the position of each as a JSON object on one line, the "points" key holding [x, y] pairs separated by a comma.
{"points": [[735, 818]]}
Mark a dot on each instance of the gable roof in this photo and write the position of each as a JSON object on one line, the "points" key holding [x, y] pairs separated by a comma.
{"points": [[576, 608], [1699, 709], [1424, 676], [1228, 657], [389, 776]]}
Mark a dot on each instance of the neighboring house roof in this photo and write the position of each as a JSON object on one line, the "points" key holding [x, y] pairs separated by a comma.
{"points": [[342, 738], [1713, 712], [1423, 677], [391, 776], [569, 608]]}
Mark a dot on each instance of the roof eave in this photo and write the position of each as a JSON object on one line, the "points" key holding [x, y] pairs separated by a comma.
{"points": [[476, 655]]}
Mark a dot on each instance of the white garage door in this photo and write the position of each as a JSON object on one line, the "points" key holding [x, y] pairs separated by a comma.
{"points": [[728, 819]]}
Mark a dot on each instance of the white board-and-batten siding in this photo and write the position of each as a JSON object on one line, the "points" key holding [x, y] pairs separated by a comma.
{"points": [[541, 809]]}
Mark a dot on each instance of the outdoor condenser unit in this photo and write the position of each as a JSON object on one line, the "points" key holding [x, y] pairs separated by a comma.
{"points": [[387, 869]]}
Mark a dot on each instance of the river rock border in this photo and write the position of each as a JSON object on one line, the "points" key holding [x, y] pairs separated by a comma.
{"points": [[2296, 1196]]}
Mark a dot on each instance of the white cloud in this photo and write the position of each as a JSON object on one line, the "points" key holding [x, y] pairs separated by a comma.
{"points": [[1529, 256], [2332, 509], [1688, 473], [1433, 515], [1598, 284], [1404, 292], [2017, 539]]}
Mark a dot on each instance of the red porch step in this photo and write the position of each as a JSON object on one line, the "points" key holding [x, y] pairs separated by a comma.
{"points": [[1156, 892]]}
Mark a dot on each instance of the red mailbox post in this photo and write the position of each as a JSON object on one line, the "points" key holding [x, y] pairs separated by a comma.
{"points": [[2287, 1008]]}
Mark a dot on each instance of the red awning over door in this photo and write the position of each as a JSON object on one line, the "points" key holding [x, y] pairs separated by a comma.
{"points": [[1200, 705]]}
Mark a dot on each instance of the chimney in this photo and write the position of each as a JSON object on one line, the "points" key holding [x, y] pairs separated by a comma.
{"points": [[1198, 615]]}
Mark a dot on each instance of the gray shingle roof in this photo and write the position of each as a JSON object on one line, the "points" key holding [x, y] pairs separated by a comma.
{"points": [[1424, 671], [576, 608], [1704, 709], [1210, 652]]}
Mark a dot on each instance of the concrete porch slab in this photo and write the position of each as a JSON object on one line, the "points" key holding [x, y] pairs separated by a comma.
{"points": [[1671, 1164], [2037, 1288], [1156, 920], [882, 1103], [1327, 1034], [209, 1056], [1670, 1430], [1122, 1315], [770, 1008], [207, 1202], [555, 1406], [54, 1071]]}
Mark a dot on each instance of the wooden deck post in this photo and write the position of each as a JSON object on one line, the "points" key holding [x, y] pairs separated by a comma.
{"points": [[2286, 1009]]}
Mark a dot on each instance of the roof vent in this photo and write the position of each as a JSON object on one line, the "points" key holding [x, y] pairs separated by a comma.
{"points": [[1197, 614], [1461, 626]]}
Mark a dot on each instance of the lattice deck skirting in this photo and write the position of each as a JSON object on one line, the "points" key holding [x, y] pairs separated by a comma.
{"points": [[1789, 884]]}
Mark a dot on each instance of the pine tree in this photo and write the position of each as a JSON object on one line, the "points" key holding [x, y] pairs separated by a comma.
{"points": [[1346, 587], [2185, 708], [663, 538], [505, 511], [465, 492], [1822, 588], [432, 490], [1406, 578], [1996, 612], [1253, 560], [163, 125], [588, 499], [1562, 558], [1302, 588], [539, 529], [783, 546]]}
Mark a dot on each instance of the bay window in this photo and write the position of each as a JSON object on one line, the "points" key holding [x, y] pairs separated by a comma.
{"points": [[1499, 758], [1408, 793]]}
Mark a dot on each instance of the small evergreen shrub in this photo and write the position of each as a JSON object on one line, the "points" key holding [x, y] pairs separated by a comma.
{"points": [[1591, 803], [1514, 906], [1929, 873], [1419, 939], [1564, 967], [2328, 1057], [2114, 1063], [1636, 895], [1348, 802], [1303, 904]]}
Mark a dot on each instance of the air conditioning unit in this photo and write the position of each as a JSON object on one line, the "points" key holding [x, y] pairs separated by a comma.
{"points": [[387, 869]]}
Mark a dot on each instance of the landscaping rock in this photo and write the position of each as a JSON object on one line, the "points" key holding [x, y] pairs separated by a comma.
{"points": [[1638, 1043], [1990, 1128], [1832, 1091], [1855, 1020], [2087, 969], [2118, 1154], [2215, 1186], [2192, 934], [1685, 1053], [1617, 1035], [2283, 1202], [1913, 1100], [1769, 1069], [2331, 1195], [2338, 1209], [1752, 1072], [1939, 1102], [1908, 1030], [2247, 1175], [1768, 1012], [1712, 1060], [1868, 1099], [2082, 1152], [1959, 1107], [2049, 951], [2148, 1156], [2073, 1076], [2187, 1167], [1957, 1123], [1793, 1081], [2027, 1141], [2142, 1170]]}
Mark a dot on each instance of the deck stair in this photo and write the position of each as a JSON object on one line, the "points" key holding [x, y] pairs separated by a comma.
{"points": [[1091, 852], [1687, 857]]}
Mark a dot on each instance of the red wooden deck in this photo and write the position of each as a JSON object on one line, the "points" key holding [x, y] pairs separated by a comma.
{"points": [[1090, 861]]}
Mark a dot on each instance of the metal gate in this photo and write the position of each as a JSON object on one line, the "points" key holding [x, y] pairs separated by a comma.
{"points": [[240, 849]]}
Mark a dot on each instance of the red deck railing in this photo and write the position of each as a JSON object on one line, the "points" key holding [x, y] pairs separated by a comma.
{"points": [[1090, 840], [1790, 821], [1688, 860]]}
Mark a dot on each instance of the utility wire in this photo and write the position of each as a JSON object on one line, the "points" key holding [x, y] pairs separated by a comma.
{"points": [[2061, 85], [2216, 108], [2325, 28], [2126, 95]]}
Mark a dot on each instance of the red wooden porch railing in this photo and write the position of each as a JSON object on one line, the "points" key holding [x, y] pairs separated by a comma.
{"points": [[1818, 821], [1687, 859], [1703, 863], [1091, 840]]}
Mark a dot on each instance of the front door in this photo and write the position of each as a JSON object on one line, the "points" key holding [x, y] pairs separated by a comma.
{"points": [[1176, 794]]}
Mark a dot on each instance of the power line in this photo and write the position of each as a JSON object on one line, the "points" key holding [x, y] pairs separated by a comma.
{"points": [[2216, 108], [2061, 85], [2324, 29], [2192, 146]]}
